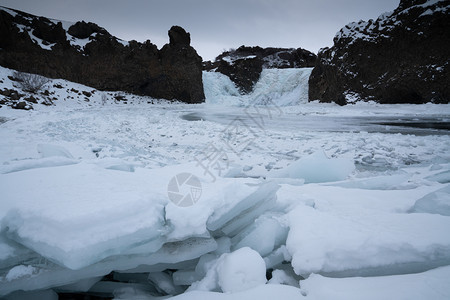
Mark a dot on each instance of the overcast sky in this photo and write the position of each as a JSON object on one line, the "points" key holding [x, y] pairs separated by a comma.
{"points": [[216, 25]]}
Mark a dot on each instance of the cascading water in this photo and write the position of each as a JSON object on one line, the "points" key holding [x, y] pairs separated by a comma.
{"points": [[282, 87]]}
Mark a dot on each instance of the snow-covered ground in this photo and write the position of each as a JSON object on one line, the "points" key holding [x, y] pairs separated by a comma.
{"points": [[200, 200]]}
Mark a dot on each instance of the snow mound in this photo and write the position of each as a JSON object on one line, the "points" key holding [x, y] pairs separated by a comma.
{"points": [[241, 270], [232, 272]]}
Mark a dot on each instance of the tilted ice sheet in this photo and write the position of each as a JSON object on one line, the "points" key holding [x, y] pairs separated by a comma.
{"points": [[171, 255], [317, 167], [77, 215], [368, 243], [431, 284], [261, 292], [437, 202]]}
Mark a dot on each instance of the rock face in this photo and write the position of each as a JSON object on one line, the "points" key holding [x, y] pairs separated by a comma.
{"points": [[402, 57], [88, 54], [244, 65]]}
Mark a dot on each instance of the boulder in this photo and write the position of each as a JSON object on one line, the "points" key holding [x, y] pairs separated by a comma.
{"points": [[83, 30], [178, 37], [22, 105], [401, 57], [48, 31]]}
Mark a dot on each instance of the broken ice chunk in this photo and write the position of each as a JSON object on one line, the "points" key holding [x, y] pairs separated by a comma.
{"points": [[187, 277], [164, 283], [227, 213], [277, 257], [47, 150], [20, 271], [437, 202], [282, 277], [317, 168], [263, 235], [443, 177]]}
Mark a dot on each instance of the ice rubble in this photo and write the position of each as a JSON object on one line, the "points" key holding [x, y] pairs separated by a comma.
{"points": [[71, 214], [58, 231]]}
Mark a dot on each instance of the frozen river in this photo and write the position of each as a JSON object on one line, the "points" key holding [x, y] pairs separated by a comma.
{"points": [[434, 125], [307, 197]]}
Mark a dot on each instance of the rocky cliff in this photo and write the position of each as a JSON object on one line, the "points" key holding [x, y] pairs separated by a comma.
{"points": [[401, 57], [244, 65], [86, 53]]}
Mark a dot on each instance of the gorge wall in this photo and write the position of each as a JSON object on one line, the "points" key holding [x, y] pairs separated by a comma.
{"points": [[401, 57], [86, 53]]}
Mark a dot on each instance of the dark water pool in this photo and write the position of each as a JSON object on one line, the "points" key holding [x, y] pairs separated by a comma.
{"points": [[379, 124]]}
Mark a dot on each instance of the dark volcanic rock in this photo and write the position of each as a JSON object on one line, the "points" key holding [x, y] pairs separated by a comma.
{"points": [[89, 55], [178, 37], [83, 30], [178, 59], [402, 57], [244, 72], [244, 65], [22, 105]]}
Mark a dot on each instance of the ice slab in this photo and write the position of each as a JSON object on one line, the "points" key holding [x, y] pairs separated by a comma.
{"points": [[47, 150], [263, 236], [186, 277], [226, 214], [261, 292], [277, 257], [111, 289], [168, 256], [41, 295], [6, 250], [366, 244], [47, 162], [67, 215], [81, 286], [216, 199], [164, 283], [316, 168], [442, 177], [388, 182], [437, 202], [432, 284]]}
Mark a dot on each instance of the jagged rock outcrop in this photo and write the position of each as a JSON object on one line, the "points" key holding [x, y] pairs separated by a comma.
{"points": [[402, 57], [88, 54], [244, 65]]}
